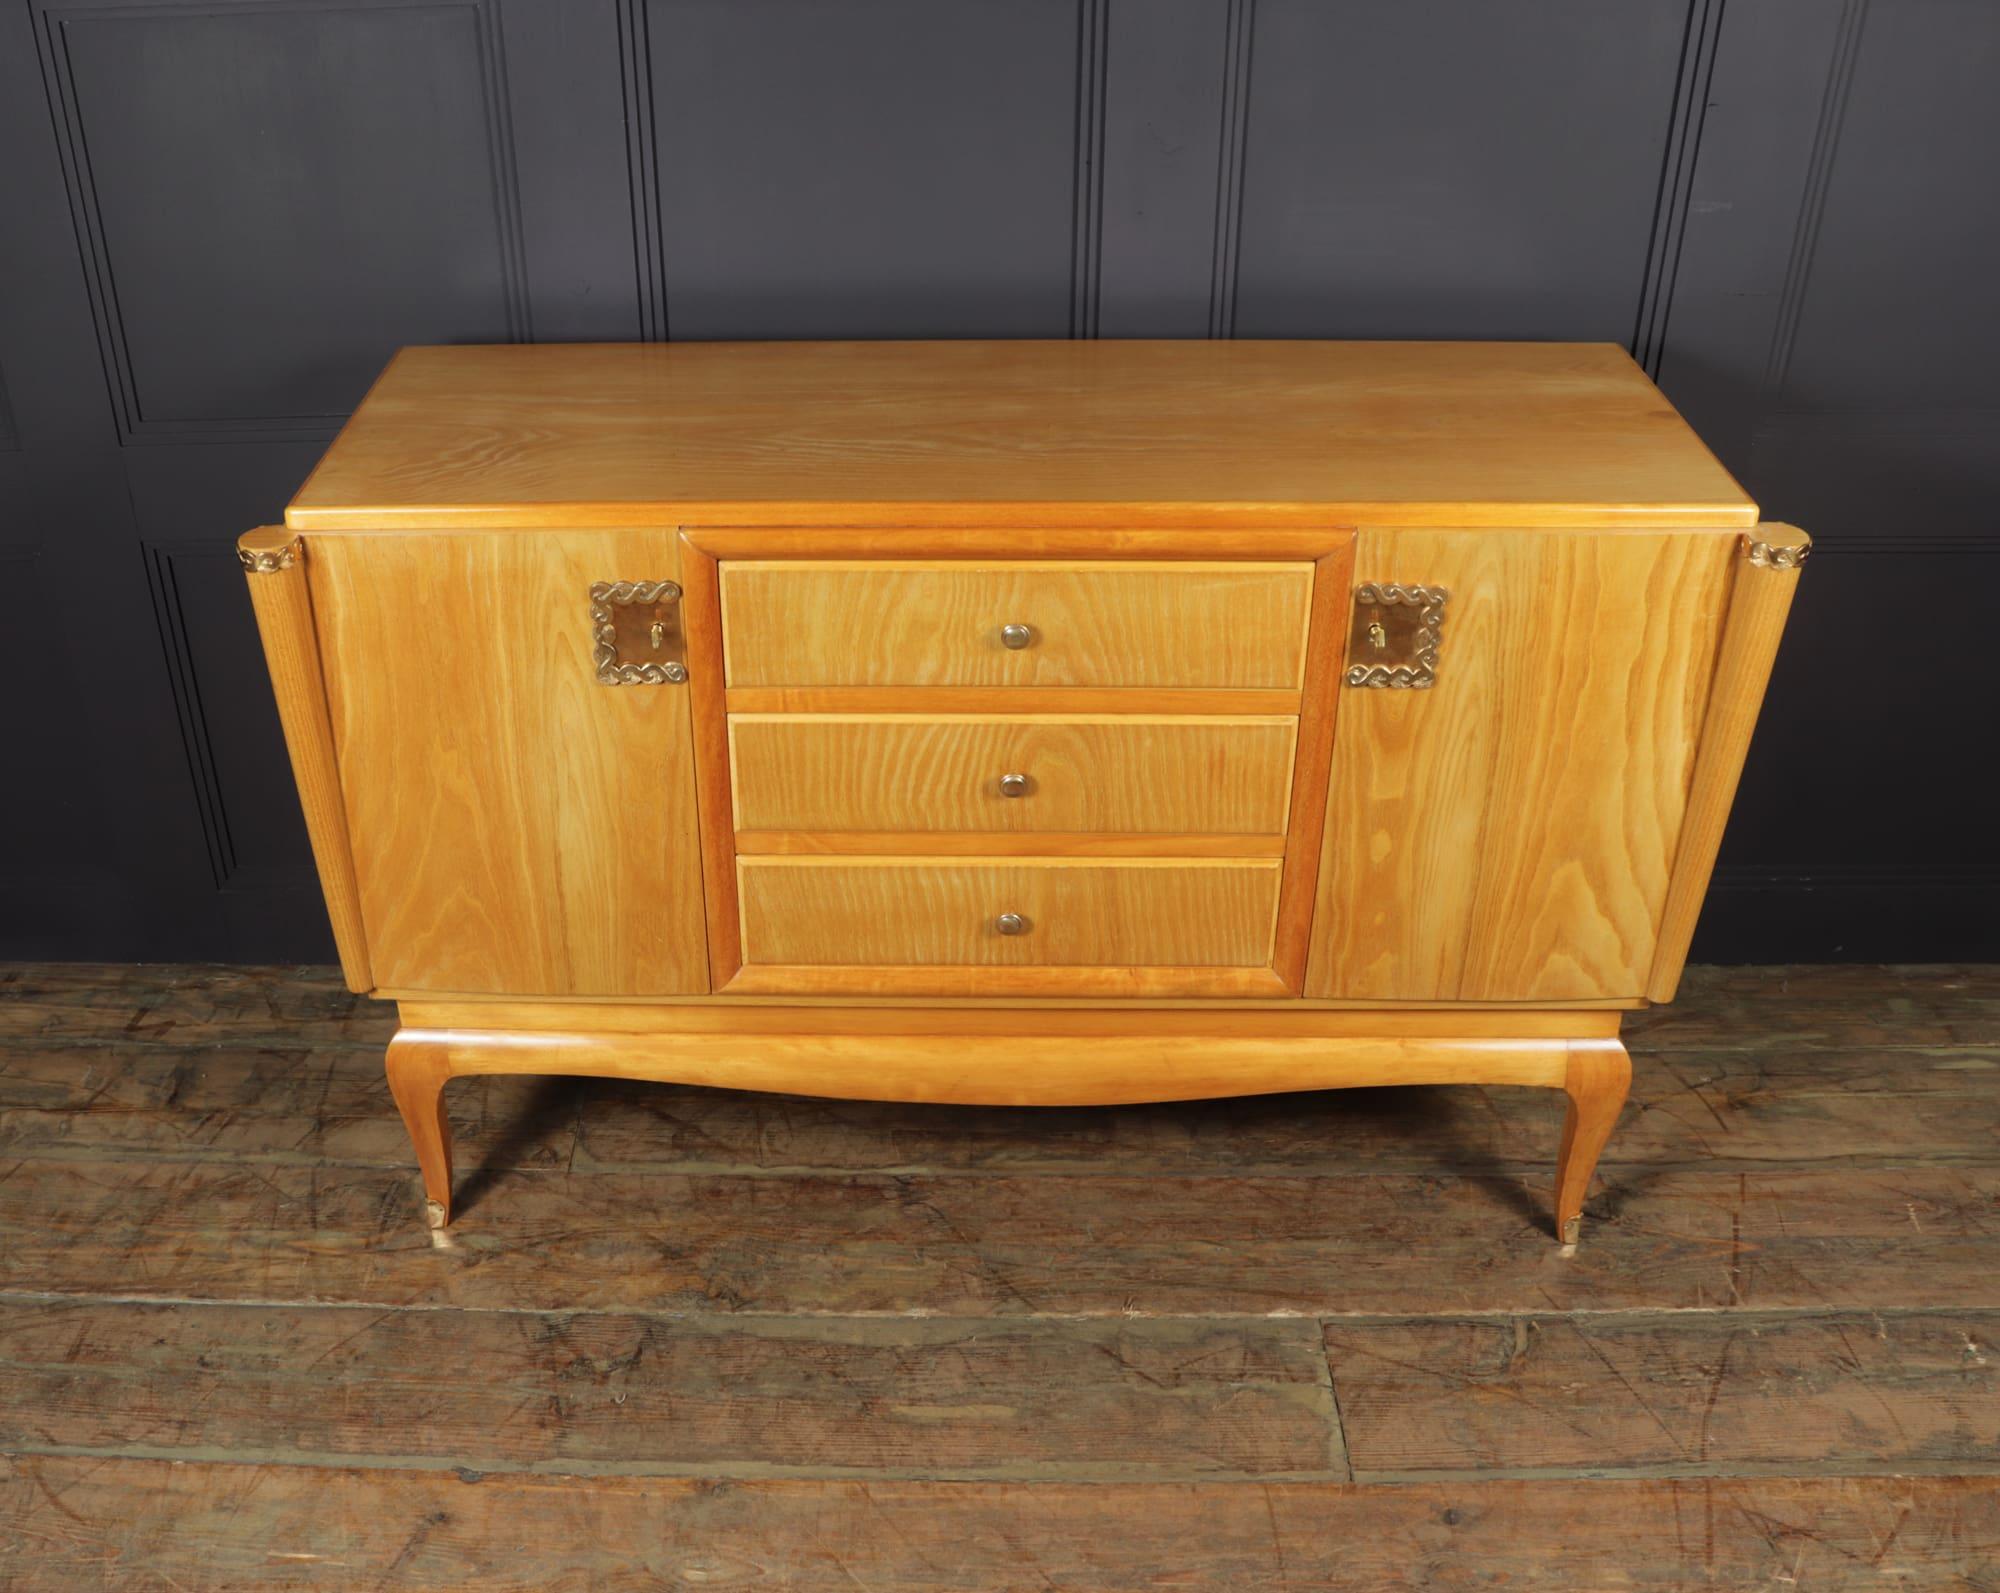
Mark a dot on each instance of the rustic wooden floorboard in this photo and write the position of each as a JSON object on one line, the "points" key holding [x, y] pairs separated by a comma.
{"points": [[1729, 1390], [68, 1522], [1005, 1245], [897, 1396], [185, 1005], [697, 1338], [307, 1105]]}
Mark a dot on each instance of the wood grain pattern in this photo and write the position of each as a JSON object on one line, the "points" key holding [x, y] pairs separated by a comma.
{"points": [[1021, 1068], [142, 1523], [1510, 833], [1018, 699], [997, 843], [417, 1070], [1111, 433], [1595, 1082], [1760, 598], [1141, 772], [1319, 700], [1904, 1391], [1116, 989], [1012, 541], [1189, 912], [1817, 1005], [518, 825], [1280, 1020], [914, 1346], [1098, 1243], [649, 1393], [1024, 988], [245, 1102], [283, 605], [181, 1004], [832, 622], [702, 610]]}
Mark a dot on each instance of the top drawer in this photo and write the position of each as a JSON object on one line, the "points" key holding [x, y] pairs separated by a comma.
{"points": [[1014, 623]]}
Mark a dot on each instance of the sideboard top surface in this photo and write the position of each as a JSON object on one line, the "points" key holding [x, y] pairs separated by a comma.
{"points": [[1091, 433]]}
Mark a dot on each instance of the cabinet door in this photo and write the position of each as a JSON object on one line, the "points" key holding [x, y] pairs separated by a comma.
{"points": [[518, 825], [1508, 834]]}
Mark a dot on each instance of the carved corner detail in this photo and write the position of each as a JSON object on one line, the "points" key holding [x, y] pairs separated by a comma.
{"points": [[1767, 556], [268, 561]]}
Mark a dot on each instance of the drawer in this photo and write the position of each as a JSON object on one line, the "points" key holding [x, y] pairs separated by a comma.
{"points": [[951, 623], [1137, 774], [927, 912]]}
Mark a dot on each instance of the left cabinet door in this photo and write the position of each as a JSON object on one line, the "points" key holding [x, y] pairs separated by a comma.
{"points": [[518, 825]]}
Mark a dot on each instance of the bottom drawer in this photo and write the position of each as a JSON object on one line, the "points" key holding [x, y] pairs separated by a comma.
{"points": [[925, 912]]}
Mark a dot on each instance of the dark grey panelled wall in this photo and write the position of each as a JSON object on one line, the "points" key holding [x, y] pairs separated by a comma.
{"points": [[218, 217]]}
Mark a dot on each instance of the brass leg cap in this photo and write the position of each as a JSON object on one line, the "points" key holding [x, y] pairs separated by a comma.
{"points": [[1571, 1229], [434, 1213]]}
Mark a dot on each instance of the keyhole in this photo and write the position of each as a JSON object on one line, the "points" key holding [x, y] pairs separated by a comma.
{"points": [[1378, 638], [659, 634]]}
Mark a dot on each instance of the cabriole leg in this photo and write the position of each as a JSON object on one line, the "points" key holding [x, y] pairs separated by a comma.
{"points": [[417, 1071], [1598, 1074]]}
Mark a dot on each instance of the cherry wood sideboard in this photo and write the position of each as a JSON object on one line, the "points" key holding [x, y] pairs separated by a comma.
{"points": [[1078, 722]]}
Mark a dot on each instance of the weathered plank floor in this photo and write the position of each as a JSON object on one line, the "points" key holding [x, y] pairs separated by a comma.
{"points": [[688, 1338]]}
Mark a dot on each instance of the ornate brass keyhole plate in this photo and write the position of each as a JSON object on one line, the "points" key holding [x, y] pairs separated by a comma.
{"points": [[636, 633], [1396, 634]]}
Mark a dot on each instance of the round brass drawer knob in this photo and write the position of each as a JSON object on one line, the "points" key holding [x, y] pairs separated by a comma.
{"points": [[1011, 924], [1014, 785], [1016, 637]]}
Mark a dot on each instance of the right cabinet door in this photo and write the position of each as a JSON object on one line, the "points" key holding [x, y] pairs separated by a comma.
{"points": [[1508, 833]]}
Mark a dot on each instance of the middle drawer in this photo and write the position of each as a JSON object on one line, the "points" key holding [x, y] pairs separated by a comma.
{"points": [[997, 773]]}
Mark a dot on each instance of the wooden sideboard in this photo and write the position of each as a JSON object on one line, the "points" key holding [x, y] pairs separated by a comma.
{"points": [[1077, 722]]}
